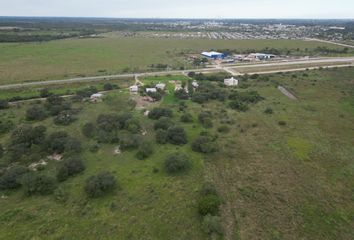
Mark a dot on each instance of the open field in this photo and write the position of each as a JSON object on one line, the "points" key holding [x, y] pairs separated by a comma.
{"points": [[21, 62], [277, 181], [264, 68]]}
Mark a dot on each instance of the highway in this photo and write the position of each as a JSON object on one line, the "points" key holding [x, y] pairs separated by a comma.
{"points": [[215, 68]]}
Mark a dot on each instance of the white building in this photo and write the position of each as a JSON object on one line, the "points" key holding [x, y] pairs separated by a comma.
{"points": [[195, 84], [152, 90], [134, 88], [231, 82], [96, 97], [161, 86]]}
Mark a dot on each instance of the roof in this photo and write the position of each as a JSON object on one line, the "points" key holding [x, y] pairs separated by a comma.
{"points": [[151, 89], [96, 95], [212, 53]]}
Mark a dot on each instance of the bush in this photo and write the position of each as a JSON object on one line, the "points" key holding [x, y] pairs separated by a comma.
{"points": [[176, 135], [268, 110], [12, 177], [211, 224], [157, 113], [38, 184], [108, 87], [205, 119], [58, 142], [161, 136], [163, 123], [208, 188], [282, 123], [209, 204], [64, 118], [204, 144], [88, 130], [223, 129], [100, 184], [44, 93], [145, 150], [129, 141], [237, 105], [35, 113], [6, 126], [1, 151], [4, 104], [186, 118], [176, 163], [70, 167], [56, 104]]}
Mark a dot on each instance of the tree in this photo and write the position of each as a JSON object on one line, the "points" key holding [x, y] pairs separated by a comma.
{"points": [[177, 162], [205, 119], [70, 167], [181, 94], [88, 130], [163, 123], [38, 184], [12, 177], [6, 126], [176, 135], [145, 150], [44, 93], [59, 142], [157, 113], [4, 104], [64, 118], [204, 144], [100, 184], [186, 118], [268, 110], [35, 113], [161, 136], [107, 87], [237, 105]]}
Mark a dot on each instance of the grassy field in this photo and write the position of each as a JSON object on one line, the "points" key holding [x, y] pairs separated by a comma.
{"points": [[244, 69], [291, 181], [21, 62]]}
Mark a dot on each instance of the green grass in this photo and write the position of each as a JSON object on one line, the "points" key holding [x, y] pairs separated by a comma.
{"points": [[276, 182], [21, 62]]}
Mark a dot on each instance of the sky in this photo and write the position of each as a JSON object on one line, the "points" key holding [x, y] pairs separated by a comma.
{"points": [[180, 8]]}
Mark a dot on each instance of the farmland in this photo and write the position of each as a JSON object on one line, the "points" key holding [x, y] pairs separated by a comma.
{"points": [[284, 174], [23, 62]]}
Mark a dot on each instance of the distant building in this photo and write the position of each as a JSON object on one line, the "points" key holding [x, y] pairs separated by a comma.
{"points": [[151, 90], [134, 88], [161, 86], [231, 82], [261, 56], [213, 55]]}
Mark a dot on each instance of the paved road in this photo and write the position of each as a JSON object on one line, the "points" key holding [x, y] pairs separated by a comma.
{"points": [[176, 72]]}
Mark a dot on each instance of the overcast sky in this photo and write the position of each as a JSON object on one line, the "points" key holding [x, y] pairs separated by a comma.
{"points": [[180, 8]]}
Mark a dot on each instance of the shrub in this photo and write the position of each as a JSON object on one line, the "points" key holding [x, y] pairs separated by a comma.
{"points": [[186, 118], [204, 144], [107, 87], [1, 151], [176, 135], [268, 110], [157, 113], [237, 105], [161, 136], [35, 113], [70, 167], [38, 184], [181, 94], [44, 93], [209, 204], [56, 104], [129, 141], [208, 188], [12, 177], [100, 184], [211, 224], [163, 123], [4, 104], [58, 142], [176, 163], [88, 130], [205, 119], [145, 150]]}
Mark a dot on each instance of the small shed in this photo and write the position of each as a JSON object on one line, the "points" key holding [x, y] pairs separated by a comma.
{"points": [[231, 82], [151, 90], [134, 88]]}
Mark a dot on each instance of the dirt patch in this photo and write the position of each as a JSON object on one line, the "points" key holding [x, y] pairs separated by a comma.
{"points": [[284, 91], [117, 150]]}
